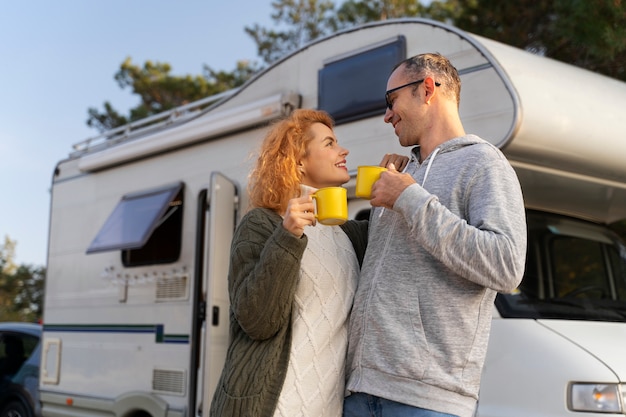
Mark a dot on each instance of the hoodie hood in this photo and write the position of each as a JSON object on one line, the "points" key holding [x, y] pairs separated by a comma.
{"points": [[447, 146]]}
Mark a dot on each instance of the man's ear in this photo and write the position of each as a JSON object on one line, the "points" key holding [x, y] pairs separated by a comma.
{"points": [[430, 88]]}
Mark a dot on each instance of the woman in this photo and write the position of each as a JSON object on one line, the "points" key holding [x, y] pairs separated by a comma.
{"points": [[290, 291]]}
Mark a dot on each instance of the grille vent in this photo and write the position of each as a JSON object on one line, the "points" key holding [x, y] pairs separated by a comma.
{"points": [[172, 288], [168, 381]]}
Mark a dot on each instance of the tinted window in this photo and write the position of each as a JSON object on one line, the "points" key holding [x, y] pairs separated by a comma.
{"points": [[15, 348], [575, 270], [353, 87]]}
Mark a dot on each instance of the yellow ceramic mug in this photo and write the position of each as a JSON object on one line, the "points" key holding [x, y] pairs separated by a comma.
{"points": [[366, 176], [331, 205]]}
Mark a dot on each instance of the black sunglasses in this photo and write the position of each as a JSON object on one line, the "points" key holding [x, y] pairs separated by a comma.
{"points": [[393, 90]]}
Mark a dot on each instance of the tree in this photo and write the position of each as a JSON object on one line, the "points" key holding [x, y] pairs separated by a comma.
{"points": [[28, 302], [160, 91], [587, 34], [21, 287], [7, 251], [447, 11], [353, 12], [302, 20], [7, 256]]}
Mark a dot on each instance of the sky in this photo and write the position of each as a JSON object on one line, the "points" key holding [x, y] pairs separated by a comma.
{"points": [[58, 58]]}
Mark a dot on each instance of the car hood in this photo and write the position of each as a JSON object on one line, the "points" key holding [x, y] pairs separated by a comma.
{"points": [[603, 340]]}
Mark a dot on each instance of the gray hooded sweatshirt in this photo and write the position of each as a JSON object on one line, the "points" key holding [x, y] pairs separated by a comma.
{"points": [[422, 313]]}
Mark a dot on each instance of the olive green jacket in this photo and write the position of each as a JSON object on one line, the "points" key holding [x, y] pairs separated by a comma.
{"points": [[264, 271]]}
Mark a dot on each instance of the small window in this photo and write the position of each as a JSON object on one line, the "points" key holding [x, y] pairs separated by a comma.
{"points": [[15, 348], [353, 87], [146, 226]]}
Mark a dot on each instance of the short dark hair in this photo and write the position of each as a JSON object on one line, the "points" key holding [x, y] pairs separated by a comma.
{"points": [[437, 66]]}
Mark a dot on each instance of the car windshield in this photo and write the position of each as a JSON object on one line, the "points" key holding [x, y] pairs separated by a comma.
{"points": [[574, 270]]}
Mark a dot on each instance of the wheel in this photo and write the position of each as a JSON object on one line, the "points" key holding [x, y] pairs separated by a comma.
{"points": [[14, 409]]}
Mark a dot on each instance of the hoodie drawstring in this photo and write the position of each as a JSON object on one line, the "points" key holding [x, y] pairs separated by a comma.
{"points": [[430, 162]]}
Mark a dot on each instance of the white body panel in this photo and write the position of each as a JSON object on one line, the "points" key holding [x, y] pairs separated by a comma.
{"points": [[530, 365]]}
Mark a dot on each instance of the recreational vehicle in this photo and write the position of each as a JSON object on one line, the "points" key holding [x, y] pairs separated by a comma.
{"points": [[141, 219]]}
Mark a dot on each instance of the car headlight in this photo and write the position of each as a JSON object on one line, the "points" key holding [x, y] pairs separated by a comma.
{"points": [[597, 398]]}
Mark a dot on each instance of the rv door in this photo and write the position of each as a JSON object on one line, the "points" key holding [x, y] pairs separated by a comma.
{"points": [[219, 221]]}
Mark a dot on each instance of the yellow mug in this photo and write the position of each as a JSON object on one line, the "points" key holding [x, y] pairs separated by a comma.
{"points": [[331, 205], [366, 176]]}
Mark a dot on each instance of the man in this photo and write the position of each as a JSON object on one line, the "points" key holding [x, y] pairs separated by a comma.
{"points": [[444, 237]]}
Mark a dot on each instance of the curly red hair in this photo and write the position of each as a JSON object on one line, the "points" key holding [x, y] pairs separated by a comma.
{"points": [[276, 179]]}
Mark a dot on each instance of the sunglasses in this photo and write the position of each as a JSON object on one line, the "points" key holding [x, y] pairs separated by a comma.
{"points": [[393, 90]]}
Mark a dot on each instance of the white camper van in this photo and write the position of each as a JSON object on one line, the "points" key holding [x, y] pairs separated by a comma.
{"points": [[141, 218]]}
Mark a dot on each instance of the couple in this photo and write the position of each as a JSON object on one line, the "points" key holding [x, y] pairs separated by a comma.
{"points": [[452, 235]]}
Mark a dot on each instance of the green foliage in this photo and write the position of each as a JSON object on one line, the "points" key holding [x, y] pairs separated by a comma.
{"points": [[301, 20], [107, 120], [29, 295], [21, 287], [160, 91], [7, 255], [444, 11], [354, 12], [224, 81], [587, 34], [592, 35]]}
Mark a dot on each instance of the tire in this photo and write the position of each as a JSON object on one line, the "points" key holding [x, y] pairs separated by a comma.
{"points": [[14, 409]]}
